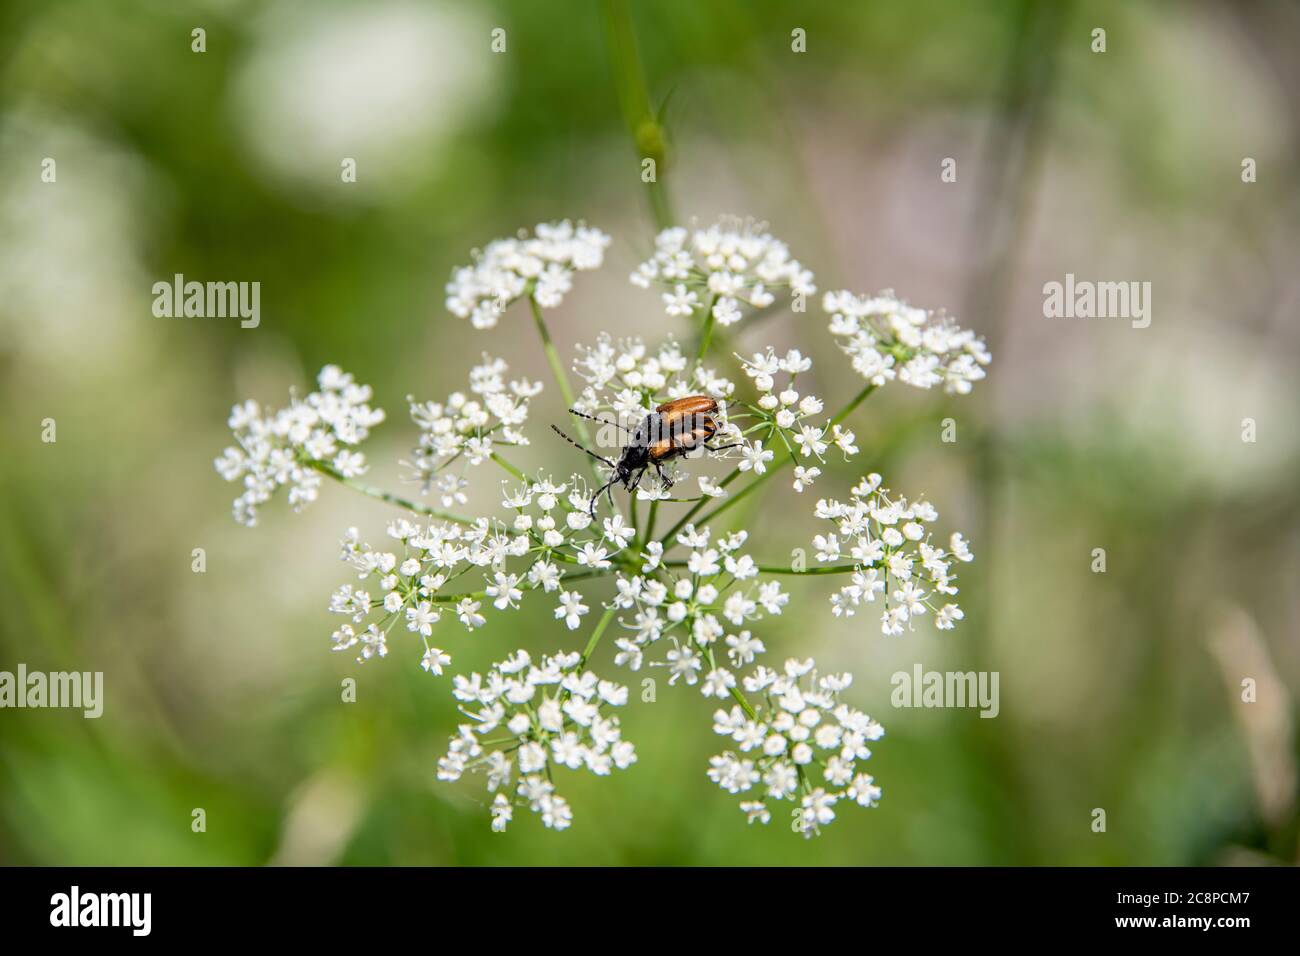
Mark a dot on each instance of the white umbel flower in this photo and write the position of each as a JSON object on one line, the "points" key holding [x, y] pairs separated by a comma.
{"points": [[466, 429], [888, 540], [702, 604], [799, 744], [505, 271], [683, 598], [291, 446], [728, 267], [888, 339], [787, 417], [554, 715]]}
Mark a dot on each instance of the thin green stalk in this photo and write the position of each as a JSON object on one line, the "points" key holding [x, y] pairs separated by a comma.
{"points": [[779, 569], [557, 366], [707, 334], [648, 135], [699, 505], [509, 467], [596, 635], [821, 569], [457, 598], [562, 379], [853, 403], [749, 488], [735, 691], [744, 703], [704, 338], [452, 598], [328, 470]]}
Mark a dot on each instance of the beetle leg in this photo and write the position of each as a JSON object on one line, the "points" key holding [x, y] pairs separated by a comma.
{"points": [[596, 497], [668, 482]]}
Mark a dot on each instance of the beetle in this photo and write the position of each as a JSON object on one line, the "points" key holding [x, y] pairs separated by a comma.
{"points": [[672, 430]]}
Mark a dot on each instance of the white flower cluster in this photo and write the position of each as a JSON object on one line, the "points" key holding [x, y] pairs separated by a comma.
{"points": [[801, 744], [466, 427], [788, 415], [889, 544], [547, 715], [886, 338], [731, 264], [551, 528], [541, 265], [563, 534], [630, 379], [702, 604], [684, 599], [407, 586], [284, 446]]}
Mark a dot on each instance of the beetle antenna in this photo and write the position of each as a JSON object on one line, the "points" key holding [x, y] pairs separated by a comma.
{"points": [[597, 418], [583, 447]]}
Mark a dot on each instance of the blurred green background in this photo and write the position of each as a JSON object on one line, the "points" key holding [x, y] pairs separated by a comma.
{"points": [[1118, 690]]}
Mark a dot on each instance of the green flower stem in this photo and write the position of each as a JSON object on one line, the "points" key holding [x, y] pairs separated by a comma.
{"points": [[596, 635], [740, 495], [853, 403], [699, 505], [509, 467], [648, 134], [328, 470], [735, 692], [555, 553], [707, 335], [778, 569], [557, 367], [457, 598], [744, 703], [825, 569], [561, 379]]}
